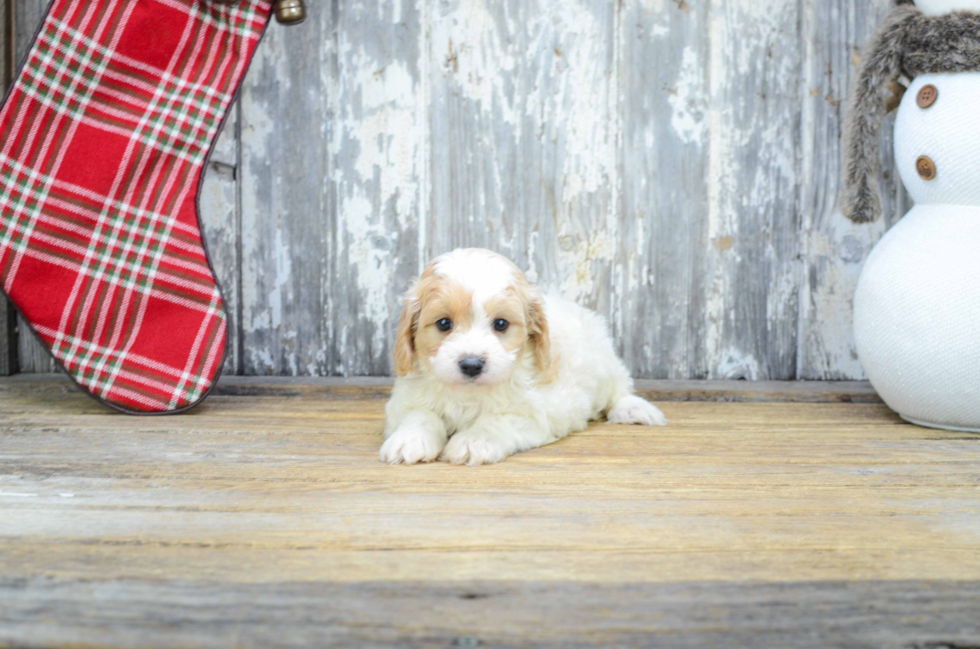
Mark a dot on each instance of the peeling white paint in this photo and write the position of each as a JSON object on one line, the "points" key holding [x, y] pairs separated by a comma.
{"points": [[379, 189], [261, 307], [577, 108], [578, 263], [474, 54], [831, 299], [515, 113], [687, 100], [284, 271], [736, 364], [833, 249]]}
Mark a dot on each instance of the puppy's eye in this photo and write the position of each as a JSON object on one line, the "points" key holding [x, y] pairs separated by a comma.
{"points": [[500, 325], [444, 325]]}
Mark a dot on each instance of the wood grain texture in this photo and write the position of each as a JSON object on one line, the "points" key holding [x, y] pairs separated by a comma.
{"points": [[747, 295], [8, 315], [8, 338], [672, 164], [220, 220], [377, 153], [260, 520], [665, 101], [523, 161], [380, 388], [287, 199], [569, 147], [834, 249], [475, 68], [651, 389], [821, 615], [32, 355]]}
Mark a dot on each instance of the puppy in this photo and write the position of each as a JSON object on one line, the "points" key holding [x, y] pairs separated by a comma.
{"points": [[487, 367]]}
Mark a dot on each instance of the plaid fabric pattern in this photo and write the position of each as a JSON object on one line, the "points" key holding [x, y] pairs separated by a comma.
{"points": [[103, 140]]}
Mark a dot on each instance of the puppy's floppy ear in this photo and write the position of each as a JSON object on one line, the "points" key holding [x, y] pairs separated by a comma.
{"points": [[408, 323], [540, 336]]}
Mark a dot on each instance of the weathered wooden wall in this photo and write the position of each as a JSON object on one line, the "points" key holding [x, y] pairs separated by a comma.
{"points": [[8, 320], [671, 163]]}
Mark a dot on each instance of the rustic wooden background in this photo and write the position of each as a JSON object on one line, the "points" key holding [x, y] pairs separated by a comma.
{"points": [[671, 163]]}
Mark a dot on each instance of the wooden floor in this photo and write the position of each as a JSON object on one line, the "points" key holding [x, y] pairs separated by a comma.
{"points": [[263, 518]]}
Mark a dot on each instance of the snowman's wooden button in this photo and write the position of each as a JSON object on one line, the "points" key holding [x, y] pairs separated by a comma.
{"points": [[927, 96], [926, 167]]}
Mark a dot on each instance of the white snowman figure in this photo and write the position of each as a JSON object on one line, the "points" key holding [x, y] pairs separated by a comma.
{"points": [[917, 305]]}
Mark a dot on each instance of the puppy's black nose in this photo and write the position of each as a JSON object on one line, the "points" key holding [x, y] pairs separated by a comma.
{"points": [[471, 366]]}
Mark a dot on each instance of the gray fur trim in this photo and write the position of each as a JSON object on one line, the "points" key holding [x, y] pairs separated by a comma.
{"points": [[949, 43], [907, 43], [865, 111]]}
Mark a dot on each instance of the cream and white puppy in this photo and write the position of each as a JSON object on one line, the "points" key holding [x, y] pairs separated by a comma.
{"points": [[488, 367]]}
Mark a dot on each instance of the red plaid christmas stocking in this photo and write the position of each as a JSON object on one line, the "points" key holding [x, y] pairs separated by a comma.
{"points": [[103, 141]]}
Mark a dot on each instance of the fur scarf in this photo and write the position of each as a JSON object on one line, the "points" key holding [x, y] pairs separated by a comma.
{"points": [[908, 43]]}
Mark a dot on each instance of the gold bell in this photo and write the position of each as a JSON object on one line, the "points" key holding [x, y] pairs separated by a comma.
{"points": [[290, 12]]}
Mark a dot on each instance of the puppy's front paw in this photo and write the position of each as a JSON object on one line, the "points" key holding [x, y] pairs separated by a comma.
{"points": [[475, 447], [411, 445], [634, 410]]}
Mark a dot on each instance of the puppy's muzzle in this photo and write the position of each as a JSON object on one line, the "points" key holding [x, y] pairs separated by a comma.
{"points": [[471, 366]]}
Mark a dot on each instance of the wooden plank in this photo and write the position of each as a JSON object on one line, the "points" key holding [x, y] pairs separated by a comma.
{"points": [[287, 205], [745, 293], [380, 388], [664, 85], [727, 492], [8, 316], [689, 297], [475, 62], [219, 205], [886, 615], [32, 355], [652, 389], [8, 42], [523, 161], [261, 520], [759, 391], [834, 249], [377, 157], [8, 338], [331, 205], [569, 153]]}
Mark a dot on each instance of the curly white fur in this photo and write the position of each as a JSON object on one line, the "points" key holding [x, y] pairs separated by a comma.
{"points": [[522, 400]]}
